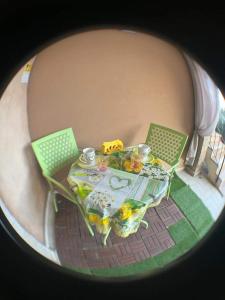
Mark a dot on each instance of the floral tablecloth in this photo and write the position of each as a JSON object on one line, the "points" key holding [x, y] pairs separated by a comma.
{"points": [[117, 199]]}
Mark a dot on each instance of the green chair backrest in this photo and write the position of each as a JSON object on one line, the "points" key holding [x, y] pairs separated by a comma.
{"points": [[55, 150], [167, 144]]}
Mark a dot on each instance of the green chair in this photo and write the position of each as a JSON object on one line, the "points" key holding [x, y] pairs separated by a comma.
{"points": [[168, 145], [54, 153]]}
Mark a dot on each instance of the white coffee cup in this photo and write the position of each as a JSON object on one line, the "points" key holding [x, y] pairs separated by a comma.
{"points": [[88, 156], [143, 150]]}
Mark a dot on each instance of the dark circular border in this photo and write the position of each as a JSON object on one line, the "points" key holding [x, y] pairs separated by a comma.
{"points": [[183, 28]]}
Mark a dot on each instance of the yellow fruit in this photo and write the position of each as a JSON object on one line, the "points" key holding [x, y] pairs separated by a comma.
{"points": [[125, 211], [93, 218], [104, 221]]}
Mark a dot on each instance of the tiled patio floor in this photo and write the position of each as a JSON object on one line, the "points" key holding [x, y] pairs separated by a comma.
{"points": [[76, 248]]}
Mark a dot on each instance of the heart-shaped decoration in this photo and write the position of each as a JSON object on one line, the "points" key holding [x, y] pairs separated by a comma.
{"points": [[117, 183]]}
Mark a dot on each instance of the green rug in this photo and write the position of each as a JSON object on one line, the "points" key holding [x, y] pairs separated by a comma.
{"points": [[176, 184], [192, 207], [184, 237]]}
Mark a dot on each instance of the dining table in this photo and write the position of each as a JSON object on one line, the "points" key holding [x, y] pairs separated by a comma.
{"points": [[114, 193]]}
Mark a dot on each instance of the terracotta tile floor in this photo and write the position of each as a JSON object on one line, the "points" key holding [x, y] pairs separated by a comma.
{"points": [[76, 248]]}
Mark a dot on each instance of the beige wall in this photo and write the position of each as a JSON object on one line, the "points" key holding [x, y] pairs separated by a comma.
{"points": [[109, 84], [21, 187]]}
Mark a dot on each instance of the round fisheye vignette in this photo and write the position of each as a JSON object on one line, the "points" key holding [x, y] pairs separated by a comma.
{"points": [[119, 154]]}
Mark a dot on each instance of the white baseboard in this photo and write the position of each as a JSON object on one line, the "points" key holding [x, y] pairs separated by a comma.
{"points": [[49, 223], [49, 228], [44, 250]]}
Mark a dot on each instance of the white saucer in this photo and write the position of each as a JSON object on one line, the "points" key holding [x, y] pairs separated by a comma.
{"points": [[86, 165]]}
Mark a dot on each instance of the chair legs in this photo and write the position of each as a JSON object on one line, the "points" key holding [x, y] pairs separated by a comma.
{"points": [[168, 191], [145, 223], [155, 203], [66, 194], [88, 226], [53, 196], [106, 236], [85, 218]]}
